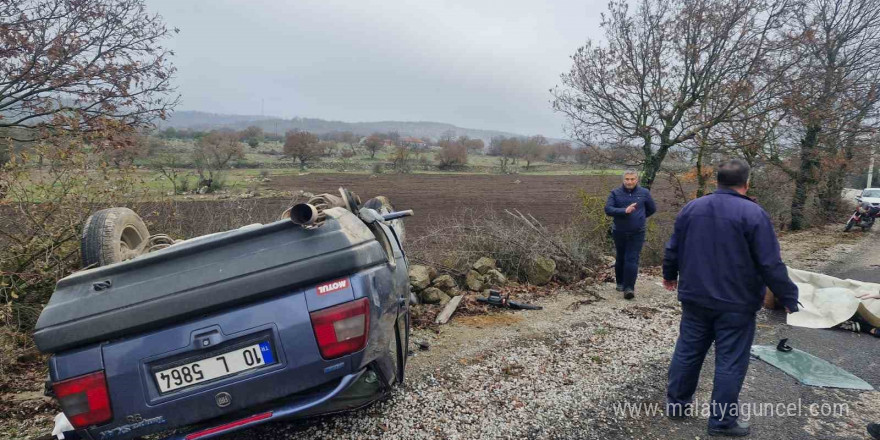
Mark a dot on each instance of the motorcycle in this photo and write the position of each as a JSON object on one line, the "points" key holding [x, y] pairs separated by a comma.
{"points": [[863, 217]]}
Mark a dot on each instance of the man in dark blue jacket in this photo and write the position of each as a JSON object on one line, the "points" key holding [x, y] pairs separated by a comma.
{"points": [[722, 254], [630, 205]]}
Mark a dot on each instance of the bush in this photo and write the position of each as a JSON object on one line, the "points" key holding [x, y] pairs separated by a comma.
{"points": [[378, 168], [41, 220], [451, 155], [461, 239], [596, 227]]}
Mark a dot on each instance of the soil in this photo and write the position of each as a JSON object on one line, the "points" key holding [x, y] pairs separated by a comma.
{"points": [[551, 199]]}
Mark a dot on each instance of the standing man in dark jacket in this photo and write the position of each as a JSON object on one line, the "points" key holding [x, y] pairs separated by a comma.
{"points": [[722, 254], [630, 205]]}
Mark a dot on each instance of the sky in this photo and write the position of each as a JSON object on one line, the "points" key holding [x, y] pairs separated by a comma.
{"points": [[473, 63]]}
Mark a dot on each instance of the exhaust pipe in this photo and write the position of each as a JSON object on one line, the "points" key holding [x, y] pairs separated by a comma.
{"points": [[304, 214]]}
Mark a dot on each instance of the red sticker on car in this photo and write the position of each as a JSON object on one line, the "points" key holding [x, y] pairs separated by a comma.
{"points": [[332, 286]]}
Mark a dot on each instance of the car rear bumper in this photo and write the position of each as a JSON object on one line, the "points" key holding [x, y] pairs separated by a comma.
{"points": [[351, 392]]}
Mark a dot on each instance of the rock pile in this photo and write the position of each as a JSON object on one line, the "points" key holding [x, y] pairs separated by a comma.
{"points": [[430, 287], [483, 275]]}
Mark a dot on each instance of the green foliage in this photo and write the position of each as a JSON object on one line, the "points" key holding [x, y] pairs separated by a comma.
{"points": [[593, 220]]}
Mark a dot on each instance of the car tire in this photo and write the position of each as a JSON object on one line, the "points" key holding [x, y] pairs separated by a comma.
{"points": [[111, 236]]}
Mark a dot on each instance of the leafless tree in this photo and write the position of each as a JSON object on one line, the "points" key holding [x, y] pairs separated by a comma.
{"points": [[833, 95], [373, 144], [659, 62], [532, 149], [87, 65], [214, 152]]}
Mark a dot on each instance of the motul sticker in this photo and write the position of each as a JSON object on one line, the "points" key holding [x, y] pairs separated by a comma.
{"points": [[333, 286]]}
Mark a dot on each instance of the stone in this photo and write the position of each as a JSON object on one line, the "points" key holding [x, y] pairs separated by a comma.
{"points": [[203, 190], [419, 276], [495, 278], [433, 295], [475, 281], [540, 271], [608, 260], [444, 283], [484, 265], [444, 299]]}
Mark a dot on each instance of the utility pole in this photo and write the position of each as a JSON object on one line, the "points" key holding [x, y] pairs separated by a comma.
{"points": [[871, 168]]}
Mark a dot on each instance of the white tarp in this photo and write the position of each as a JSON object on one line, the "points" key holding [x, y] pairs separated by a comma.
{"points": [[827, 301]]}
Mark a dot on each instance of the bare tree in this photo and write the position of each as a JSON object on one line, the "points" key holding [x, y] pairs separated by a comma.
{"points": [[170, 165], [252, 136], [302, 146], [659, 62], [214, 152], [373, 144], [348, 138], [833, 94], [452, 154], [68, 65]]}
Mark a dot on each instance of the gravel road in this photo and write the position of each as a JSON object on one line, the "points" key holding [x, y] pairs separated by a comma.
{"points": [[535, 374], [565, 372]]}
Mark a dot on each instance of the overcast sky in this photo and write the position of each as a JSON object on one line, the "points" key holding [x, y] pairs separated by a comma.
{"points": [[473, 63]]}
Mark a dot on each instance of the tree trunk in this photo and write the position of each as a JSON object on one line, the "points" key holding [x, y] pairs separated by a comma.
{"points": [[804, 177], [829, 197], [701, 179], [652, 165]]}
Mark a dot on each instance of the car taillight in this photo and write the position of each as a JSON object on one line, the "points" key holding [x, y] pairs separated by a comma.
{"points": [[84, 399], [342, 329]]}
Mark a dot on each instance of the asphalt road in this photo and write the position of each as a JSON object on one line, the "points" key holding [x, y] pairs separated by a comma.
{"points": [[857, 353]]}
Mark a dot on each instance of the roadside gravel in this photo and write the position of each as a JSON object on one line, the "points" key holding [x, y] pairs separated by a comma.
{"points": [[556, 373], [553, 373]]}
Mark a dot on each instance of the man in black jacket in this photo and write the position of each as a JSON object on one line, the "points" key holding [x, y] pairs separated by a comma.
{"points": [[630, 205], [722, 254]]}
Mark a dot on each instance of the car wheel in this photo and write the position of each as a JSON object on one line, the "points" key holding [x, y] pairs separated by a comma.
{"points": [[112, 235]]}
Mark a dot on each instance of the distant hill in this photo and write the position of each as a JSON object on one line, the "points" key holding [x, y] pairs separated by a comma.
{"points": [[196, 120]]}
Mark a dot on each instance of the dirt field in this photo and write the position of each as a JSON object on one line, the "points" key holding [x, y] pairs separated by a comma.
{"points": [[551, 199]]}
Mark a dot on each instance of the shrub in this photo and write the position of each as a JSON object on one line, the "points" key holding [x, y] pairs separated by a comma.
{"points": [[41, 220], [461, 239], [451, 155]]}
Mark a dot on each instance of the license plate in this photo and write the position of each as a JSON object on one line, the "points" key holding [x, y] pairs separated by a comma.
{"points": [[214, 367]]}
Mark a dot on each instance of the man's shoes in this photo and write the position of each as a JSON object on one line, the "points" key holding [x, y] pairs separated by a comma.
{"points": [[620, 287], [628, 294], [874, 430], [738, 429], [684, 412]]}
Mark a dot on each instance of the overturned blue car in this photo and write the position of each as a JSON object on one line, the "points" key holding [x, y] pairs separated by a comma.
{"points": [[304, 316]]}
